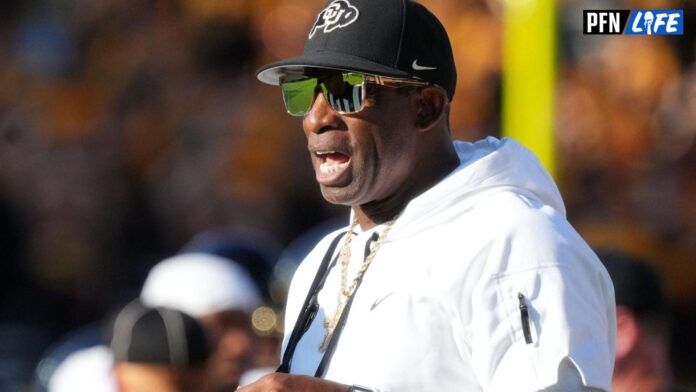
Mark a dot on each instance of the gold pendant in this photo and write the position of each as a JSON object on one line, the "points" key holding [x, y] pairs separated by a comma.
{"points": [[330, 326], [324, 343]]}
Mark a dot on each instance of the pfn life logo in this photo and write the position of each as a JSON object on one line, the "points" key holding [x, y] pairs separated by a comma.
{"points": [[657, 22], [633, 22]]}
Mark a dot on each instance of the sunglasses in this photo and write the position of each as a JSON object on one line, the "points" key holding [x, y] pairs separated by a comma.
{"points": [[344, 91]]}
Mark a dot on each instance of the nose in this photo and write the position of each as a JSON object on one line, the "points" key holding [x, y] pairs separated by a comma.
{"points": [[321, 116]]}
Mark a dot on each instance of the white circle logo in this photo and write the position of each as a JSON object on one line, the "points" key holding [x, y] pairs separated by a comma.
{"points": [[337, 15]]}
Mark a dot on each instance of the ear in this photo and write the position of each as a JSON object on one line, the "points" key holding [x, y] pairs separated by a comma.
{"points": [[431, 104], [627, 332]]}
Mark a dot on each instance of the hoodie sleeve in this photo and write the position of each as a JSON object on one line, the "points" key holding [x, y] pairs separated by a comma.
{"points": [[543, 311]]}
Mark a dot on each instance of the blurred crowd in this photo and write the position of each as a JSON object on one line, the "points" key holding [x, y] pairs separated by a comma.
{"points": [[134, 130]]}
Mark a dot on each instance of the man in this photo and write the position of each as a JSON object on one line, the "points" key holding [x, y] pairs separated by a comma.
{"points": [[642, 325], [159, 350], [220, 295], [458, 270]]}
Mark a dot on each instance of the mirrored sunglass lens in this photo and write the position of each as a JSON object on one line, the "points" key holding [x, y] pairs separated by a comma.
{"points": [[344, 92], [298, 95]]}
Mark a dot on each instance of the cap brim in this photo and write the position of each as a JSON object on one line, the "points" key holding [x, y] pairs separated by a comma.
{"points": [[271, 73]]}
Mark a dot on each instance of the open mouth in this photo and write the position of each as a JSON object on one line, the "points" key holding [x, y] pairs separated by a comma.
{"points": [[332, 166], [332, 161]]}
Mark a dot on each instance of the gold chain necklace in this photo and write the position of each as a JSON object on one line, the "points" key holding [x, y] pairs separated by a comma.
{"points": [[345, 293]]}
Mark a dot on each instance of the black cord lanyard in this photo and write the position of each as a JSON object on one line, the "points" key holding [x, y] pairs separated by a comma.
{"points": [[311, 307], [333, 340]]}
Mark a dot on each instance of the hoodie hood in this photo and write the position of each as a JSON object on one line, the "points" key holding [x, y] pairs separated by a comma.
{"points": [[487, 166]]}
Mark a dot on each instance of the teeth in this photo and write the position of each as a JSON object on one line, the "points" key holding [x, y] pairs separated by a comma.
{"points": [[325, 152], [331, 168]]}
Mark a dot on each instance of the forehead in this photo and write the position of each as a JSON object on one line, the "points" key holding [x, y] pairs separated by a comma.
{"points": [[145, 377]]}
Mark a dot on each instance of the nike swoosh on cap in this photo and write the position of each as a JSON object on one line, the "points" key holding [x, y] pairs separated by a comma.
{"points": [[420, 67]]}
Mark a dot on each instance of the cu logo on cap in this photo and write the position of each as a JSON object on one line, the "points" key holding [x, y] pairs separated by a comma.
{"points": [[338, 14]]}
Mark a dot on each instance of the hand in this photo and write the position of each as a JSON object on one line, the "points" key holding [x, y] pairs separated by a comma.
{"points": [[280, 382]]}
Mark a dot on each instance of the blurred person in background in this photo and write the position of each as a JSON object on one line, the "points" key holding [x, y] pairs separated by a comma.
{"points": [[79, 361], [643, 325], [221, 295], [85, 370], [159, 350], [258, 253]]}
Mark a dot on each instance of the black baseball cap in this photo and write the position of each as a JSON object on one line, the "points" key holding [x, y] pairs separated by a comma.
{"points": [[158, 336], [637, 285], [395, 38]]}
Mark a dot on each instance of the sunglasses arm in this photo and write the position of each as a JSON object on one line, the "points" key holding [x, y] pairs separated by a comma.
{"points": [[393, 82]]}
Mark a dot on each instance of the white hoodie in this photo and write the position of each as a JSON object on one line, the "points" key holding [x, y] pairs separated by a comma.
{"points": [[439, 307]]}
